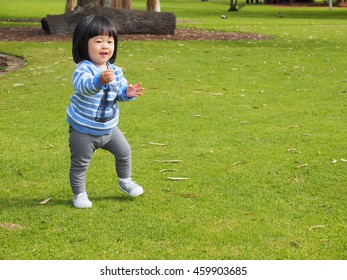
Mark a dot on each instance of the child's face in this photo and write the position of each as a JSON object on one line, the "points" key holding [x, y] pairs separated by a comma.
{"points": [[100, 49]]}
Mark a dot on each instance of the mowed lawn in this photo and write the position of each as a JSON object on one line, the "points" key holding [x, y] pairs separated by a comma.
{"points": [[256, 128]]}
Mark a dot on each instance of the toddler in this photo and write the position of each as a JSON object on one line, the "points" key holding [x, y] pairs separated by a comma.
{"points": [[93, 112]]}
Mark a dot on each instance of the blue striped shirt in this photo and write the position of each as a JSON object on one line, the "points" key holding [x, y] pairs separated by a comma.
{"points": [[93, 108]]}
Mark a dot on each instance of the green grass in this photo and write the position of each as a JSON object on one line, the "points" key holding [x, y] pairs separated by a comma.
{"points": [[242, 116]]}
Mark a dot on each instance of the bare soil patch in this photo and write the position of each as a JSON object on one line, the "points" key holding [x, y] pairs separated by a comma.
{"points": [[36, 34], [9, 63]]}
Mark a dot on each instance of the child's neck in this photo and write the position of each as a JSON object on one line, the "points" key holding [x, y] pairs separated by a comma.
{"points": [[102, 67]]}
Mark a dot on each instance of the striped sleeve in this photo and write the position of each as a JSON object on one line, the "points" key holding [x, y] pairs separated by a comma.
{"points": [[85, 80]]}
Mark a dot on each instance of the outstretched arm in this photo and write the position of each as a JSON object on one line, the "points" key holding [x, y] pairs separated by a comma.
{"points": [[135, 90]]}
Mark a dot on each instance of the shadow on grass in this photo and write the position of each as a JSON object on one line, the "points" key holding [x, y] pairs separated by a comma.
{"points": [[10, 203]]}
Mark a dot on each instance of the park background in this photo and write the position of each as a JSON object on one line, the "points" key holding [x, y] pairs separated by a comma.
{"points": [[258, 128]]}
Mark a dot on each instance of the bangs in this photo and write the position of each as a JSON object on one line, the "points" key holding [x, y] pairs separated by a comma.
{"points": [[101, 26], [110, 32]]}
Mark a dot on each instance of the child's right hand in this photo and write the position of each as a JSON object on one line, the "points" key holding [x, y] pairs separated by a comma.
{"points": [[106, 77]]}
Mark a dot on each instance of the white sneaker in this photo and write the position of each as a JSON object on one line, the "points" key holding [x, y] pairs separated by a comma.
{"points": [[81, 201], [130, 188]]}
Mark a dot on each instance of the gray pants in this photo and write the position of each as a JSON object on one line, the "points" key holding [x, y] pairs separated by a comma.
{"points": [[83, 146]]}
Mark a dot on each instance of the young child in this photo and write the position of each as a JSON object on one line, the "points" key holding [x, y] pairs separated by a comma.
{"points": [[93, 112]]}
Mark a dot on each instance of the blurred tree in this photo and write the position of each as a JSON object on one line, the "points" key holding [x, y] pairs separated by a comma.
{"points": [[70, 6], [233, 4], [153, 5], [120, 4]]}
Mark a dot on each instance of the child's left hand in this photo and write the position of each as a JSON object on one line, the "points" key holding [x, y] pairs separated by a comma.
{"points": [[135, 90]]}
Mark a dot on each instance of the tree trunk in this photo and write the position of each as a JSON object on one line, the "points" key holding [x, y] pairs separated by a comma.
{"points": [[126, 4], [153, 5], [125, 21], [107, 3], [232, 7], [87, 4], [70, 6], [120, 4]]}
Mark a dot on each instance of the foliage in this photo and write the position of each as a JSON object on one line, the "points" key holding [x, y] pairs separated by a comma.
{"points": [[255, 124]]}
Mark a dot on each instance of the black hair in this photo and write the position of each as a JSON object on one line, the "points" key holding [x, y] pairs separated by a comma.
{"points": [[89, 27]]}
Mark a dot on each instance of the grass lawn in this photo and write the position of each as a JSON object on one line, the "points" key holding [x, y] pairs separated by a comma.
{"points": [[259, 128]]}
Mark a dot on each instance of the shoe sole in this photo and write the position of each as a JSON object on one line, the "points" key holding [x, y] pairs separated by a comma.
{"points": [[89, 205], [82, 207]]}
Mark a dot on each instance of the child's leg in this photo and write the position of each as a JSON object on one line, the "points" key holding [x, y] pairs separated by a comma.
{"points": [[120, 148], [82, 147]]}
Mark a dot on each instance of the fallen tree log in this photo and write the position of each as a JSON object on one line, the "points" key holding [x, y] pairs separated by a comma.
{"points": [[125, 21]]}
